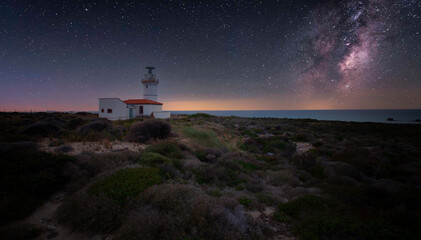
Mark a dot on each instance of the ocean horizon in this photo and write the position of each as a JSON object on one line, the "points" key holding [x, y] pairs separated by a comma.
{"points": [[349, 115]]}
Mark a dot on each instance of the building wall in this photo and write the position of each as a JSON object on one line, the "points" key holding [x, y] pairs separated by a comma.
{"points": [[150, 91], [119, 109], [147, 109], [162, 115]]}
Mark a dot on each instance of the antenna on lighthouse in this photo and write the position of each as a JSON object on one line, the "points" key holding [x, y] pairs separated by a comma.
{"points": [[150, 68]]}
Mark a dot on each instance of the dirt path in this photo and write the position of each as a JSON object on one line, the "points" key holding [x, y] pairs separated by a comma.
{"points": [[97, 147]]}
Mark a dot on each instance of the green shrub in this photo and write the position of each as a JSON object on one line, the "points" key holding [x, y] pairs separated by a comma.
{"points": [[154, 159], [206, 138], [247, 166], [200, 115], [250, 134], [300, 138], [168, 149], [315, 217], [273, 144], [266, 198], [127, 183], [245, 201]]}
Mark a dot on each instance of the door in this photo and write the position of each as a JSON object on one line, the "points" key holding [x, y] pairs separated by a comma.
{"points": [[141, 110], [130, 113]]}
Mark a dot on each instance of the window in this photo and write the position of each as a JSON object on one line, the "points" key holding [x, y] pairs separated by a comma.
{"points": [[109, 110], [140, 109], [102, 110]]}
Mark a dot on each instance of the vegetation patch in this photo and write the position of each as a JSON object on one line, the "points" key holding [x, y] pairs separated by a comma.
{"points": [[315, 217], [126, 184], [144, 131], [204, 137], [167, 149], [153, 159], [200, 115]]}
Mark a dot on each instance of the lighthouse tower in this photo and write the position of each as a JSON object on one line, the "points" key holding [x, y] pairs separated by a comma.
{"points": [[150, 85]]}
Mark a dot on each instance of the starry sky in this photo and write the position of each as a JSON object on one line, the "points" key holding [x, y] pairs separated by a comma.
{"points": [[211, 55]]}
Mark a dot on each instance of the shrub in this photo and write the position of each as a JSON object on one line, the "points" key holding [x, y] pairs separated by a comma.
{"points": [[200, 115], [254, 186], [90, 213], [75, 123], [174, 211], [154, 159], [206, 138], [97, 125], [42, 129], [251, 145], [126, 184], [315, 217], [266, 198], [150, 129], [273, 144], [281, 177], [168, 149], [95, 163], [245, 201], [211, 174], [300, 138]]}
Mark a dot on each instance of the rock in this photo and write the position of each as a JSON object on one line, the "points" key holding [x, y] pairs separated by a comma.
{"points": [[210, 158], [64, 149], [51, 227]]}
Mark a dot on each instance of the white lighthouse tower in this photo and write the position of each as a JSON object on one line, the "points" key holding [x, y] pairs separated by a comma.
{"points": [[150, 85]]}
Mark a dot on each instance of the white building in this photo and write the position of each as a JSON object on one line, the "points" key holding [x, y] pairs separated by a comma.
{"points": [[116, 109]]}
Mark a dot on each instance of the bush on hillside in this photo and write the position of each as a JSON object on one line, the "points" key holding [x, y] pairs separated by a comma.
{"points": [[90, 213], [150, 129], [42, 129], [154, 160], [126, 184], [174, 211], [97, 125], [167, 149]]}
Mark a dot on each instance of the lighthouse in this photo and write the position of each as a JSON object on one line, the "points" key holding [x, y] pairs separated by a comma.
{"points": [[150, 85], [117, 109]]}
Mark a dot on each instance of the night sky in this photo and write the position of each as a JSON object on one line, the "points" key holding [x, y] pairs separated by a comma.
{"points": [[212, 55]]}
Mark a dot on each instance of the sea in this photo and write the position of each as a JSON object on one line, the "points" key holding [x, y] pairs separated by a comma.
{"points": [[366, 115]]}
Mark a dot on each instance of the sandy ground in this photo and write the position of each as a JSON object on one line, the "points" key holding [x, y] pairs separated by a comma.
{"points": [[303, 147], [96, 147]]}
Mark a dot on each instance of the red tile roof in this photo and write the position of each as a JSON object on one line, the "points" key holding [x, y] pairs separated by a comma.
{"points": [[141, 101]]}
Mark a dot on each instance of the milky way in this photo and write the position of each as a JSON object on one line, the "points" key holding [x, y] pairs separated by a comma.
{"points": [[345, 41], [296, 54]]}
